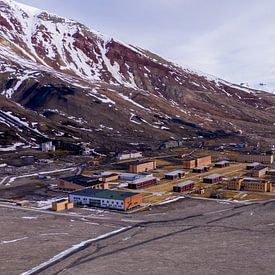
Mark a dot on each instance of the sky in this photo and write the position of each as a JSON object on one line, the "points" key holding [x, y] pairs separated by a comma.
{"points": [[231, 39]]}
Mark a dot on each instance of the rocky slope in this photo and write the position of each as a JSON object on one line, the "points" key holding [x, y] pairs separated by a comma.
{"points": [[80, 85]]}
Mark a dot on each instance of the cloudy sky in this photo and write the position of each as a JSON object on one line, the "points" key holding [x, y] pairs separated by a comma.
{"points": [[232, 39]]}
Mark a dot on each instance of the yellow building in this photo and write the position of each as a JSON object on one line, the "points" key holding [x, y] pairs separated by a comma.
{"points": [[249, 184], [62, 205]]}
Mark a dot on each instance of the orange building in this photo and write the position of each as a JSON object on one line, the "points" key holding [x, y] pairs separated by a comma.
{"points": [[204, 160], [62, 205], [193, 161], [140, 167]]}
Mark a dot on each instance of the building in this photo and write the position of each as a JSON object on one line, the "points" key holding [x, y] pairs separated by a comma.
{"points": [[142, 166], [252, 165], [222, 164], [193, 161], [47, 147], [271, 173], [184, 186], [189, 163], [62, 205], [265, 159], [109, 178], [129, 155], [214, 178], [259, 171], [178, 174], [249, 184], [106, 198], [142, 182], [201, 169], [130, 176], [203, 160], [79, 182]]}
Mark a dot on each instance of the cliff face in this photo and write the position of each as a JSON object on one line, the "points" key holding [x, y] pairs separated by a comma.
{"points": [[89, 87]]}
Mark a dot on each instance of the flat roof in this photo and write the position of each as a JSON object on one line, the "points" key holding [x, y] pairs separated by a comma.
{"points": [[259, 168], [103, 193], [201, 167], [251, 179], [137, 181], [253, 164], [184, 183], [138, 162], [174, 173], [213, 176], [222, 162], [82, 180]]}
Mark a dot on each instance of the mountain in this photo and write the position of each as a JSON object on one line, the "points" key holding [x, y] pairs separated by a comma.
{"points": [[69, 82]]}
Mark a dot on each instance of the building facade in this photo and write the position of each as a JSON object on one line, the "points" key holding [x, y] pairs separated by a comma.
{"points": [[129, 155], [140, 167], [259, 171], [214, 178], [249, 184], [193, 161], [184, 186], [142, 183], [265, 159], [178, 174], [222, 164], [201, 169], [80, 182], [106, 199]]}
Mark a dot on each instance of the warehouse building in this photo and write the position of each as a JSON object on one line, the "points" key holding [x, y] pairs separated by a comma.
{"points": [[106, 198], [214, 178], [259, 171], [196, 161], [201, 169], [178, 174], [265, 159], [249, 184], [184, 186], [222, 164], [79, 182], [142, 182], [142, 166]]}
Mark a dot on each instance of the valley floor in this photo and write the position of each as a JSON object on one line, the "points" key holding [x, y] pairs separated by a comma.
{"points": [[186, 237]]}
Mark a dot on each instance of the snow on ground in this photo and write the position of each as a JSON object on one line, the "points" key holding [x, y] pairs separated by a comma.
{"points": [[29, 218], [72, 249], [12, 147], [13, 241]]}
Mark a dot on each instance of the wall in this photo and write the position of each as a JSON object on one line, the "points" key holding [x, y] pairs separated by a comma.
{"points": [[142, 167], [266, 159]]}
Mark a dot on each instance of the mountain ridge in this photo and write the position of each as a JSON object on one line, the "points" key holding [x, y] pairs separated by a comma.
{"points": [[59, 64]]}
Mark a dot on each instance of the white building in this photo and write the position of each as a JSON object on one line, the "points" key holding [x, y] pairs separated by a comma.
{"points": [[47, 146], [105, 198], [129, 155]]}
